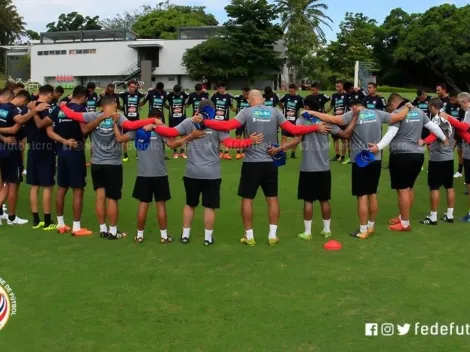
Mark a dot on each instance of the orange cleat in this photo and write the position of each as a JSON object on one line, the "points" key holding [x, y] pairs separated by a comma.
{"points": [[88, 164], [183, 156], [239, 156], [399, 228], [82, 232], [227, 156], [62, 230], [175, 156], [394, 221]]}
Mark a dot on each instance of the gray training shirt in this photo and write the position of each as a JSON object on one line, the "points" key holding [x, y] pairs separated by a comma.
{"points": [[203, 153], [151, 162], [315, 148], [104, 147], [465, 145], [440, 152], [409, 133], [261, 119], [368, 129]]}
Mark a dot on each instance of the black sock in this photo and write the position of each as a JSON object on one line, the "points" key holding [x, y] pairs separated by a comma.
{"points": [[125, 155], [36, 219], [226, 152], [12, 217], [47, 220], [337, 156], [238, 151], [181, 151], [1, 210], [460, 168]]}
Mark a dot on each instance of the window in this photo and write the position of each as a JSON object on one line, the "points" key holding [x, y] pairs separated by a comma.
{"points": [[63, 52], [171, 78], [57, 52], [86, 51], [72, 52], [51, 52], [82, 51], [46, 53], [39, 53], [92, 51], [79, 51]]}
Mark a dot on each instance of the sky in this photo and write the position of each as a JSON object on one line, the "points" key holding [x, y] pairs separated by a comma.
{"points": [[37, 17]]}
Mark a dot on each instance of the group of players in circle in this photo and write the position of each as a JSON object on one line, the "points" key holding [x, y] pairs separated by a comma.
{"points": [[56, 133]]}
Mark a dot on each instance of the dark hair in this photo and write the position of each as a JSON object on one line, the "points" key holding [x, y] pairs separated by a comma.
{"points": [[354, 102], [373, 84], [108, 100], [111, 85], [20, 85], [246, 89], [79, 92], [348, 85], [339, 81], [419, 92], [177, 88], [221, 85], [6, 93], [453, 94], [198, 87], [268, 90], [23, 94], [160, 86], [59, 89], [131, 82], [436, 103], [394, 97], [91, 85], [156, 113], [10, 85], [46, 89], [312, 102], [443, 86], [315, 85], [292, 86]]}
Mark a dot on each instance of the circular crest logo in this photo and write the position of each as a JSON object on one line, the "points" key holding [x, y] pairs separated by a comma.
{"points": [[7, 303]]}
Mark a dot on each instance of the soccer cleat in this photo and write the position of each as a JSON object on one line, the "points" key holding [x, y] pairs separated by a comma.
{"points": [[138, 239], [125, 159], [239, 156], [466, 218], [63, 229], [371, 231], [18, 221], [304, 236], [335, 158], [394, 221], [447, 219], [273, 241], [399, 228], [247, 242], [82, 232], [175, 156], [428, 221], [117, 236], [184, 240], [38, 225], [347, 161], [360, 235], [183, 156], [293, 156], [326, 234], [4, 207], [88, 164], [4, 216], [342, 159], [221, 155], [25, 172], [458, 175], [207, 243], [50, 227], [104, 234], [227, 156], [167, 240]]}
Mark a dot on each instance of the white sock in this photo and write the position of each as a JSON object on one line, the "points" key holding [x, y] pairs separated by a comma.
{"points": [[370, 224], [363, 228], [140, 233], [326, 225], [308, 226], [249, 234], [60, 221], [272, 231], [76, 226], [103, 228], [405, 223], [113, 230], [433, 216], [186, 232], [208, 235], [163, 234], [450, 213]]}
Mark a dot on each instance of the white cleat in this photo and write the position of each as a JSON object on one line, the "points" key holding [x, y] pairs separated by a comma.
{"points": [[4, 207], [458, 175], [18, 221], [24, 172], [4, 216]]}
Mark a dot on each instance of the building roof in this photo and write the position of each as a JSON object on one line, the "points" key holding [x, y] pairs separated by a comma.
{"points": [[92, 35], [202, 32]]}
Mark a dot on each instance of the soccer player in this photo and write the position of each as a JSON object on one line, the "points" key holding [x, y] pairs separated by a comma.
{"points": [[177, 104], [443, 94], [373, 101], [195, 98], [58, 92], [106, 165], [315, 175], [406, 156], [322, 98], [242, 104], [11, 163], [458, 113], [441, 167], [223, 104], [110, 91], [291, 104], [270, 97], [354, 92], [339, 105], [422, 101], [258, 168], [92, 98], [156, 98], [365, 180], [71, 171], [130, 106], [203, 177]]}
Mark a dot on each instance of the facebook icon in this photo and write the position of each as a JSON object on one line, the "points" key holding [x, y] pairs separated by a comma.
{"points": [[371, 329]]}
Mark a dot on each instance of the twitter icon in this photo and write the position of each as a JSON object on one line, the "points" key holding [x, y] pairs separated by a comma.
{"points": [[403, 330]]}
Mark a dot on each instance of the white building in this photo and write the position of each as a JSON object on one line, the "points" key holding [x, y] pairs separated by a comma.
{"points": [[104, 56]]}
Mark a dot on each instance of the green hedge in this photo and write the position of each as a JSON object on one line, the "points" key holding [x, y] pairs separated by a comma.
{"points": [[396, 89]]}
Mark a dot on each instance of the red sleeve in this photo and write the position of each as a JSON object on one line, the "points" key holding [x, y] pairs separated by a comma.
{"points": [[461, 126], [237, 143], [430, 139], [298, 130], [465, 136], [76, 116], [167, 131], [222, 125], [135, 125]]}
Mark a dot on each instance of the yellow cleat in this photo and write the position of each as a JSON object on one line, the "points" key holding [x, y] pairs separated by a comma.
{"points": [[273, 241], [247, 242]]}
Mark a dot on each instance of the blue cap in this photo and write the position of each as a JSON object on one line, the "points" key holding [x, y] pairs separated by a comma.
{"points": [[207, 112], [309, 117], [280, 158], [364, 158], [142, 139]]}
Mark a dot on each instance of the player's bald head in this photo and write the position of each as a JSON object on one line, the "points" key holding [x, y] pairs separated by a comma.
{"points": [[255, 97]]}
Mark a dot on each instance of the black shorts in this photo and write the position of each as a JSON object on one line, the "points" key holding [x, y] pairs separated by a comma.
{"points": [[148, 189], [365, 180], [40, 169], [108, 177], [176, 121], [11, 167], [441, 174], [210, 190], [133, 118], [335, 136], [255, 175], [404, 169], [71, 170], [314, 186], [466, 170], [287, 134], [458, 141]]}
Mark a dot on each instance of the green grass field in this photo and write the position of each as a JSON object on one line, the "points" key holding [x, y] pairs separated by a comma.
{"points": [[90, 294]]}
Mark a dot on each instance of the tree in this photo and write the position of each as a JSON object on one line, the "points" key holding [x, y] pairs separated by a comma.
{"points": [[243, 48], [73, 22], [11, 23], [127, 19], [32, 35], [163, 22]]}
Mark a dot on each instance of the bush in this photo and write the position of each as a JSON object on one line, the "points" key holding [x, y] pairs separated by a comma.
{"points": [[396, 89]]}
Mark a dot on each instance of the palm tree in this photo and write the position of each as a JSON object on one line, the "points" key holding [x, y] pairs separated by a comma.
{"points": [[11, 23], [305, 14]]}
